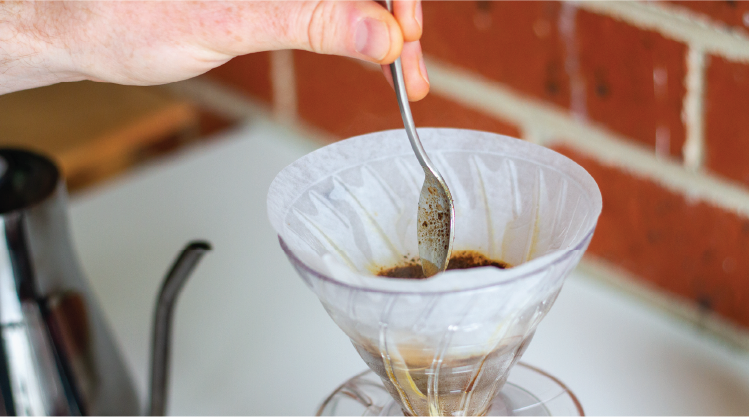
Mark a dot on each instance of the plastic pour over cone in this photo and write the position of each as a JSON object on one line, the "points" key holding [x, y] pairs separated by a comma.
{"points": [[442, 345]]}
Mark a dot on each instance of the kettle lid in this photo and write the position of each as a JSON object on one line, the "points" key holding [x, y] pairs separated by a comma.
{"points": [[26, 179]]}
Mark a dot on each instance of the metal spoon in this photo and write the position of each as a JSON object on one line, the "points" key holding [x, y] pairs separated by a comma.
{"points": [[436, 214]]}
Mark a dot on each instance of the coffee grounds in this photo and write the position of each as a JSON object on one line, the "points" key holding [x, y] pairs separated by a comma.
{"points": [[463, 259]]}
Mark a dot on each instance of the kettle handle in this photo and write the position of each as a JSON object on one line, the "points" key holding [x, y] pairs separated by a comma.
{"points": [[162, 323]]}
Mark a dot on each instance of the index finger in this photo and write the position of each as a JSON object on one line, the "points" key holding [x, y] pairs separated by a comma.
{"points": [[409, 15]]}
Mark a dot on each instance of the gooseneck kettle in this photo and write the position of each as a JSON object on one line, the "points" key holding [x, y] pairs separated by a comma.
{"points": [[57, 356]]}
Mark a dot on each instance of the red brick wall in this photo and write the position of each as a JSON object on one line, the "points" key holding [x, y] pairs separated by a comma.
{"points": [[516, 43], [689, 248], [644, 77], [249, 74], [364, 101], [634, 79]]}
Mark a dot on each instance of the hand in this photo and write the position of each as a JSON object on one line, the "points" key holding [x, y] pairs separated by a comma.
{"points": [[145, 43]]}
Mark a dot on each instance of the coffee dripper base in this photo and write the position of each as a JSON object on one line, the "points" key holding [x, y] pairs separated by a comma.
{"points": [[528, 391]]}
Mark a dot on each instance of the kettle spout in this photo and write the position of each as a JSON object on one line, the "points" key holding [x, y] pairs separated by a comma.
{"points": [[162, 323]]}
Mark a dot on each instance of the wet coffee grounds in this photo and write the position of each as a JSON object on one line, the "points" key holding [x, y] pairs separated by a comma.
{"points": [[462, 259]]}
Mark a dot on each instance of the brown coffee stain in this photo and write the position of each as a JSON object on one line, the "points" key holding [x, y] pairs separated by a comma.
{"points": [[461, 259]]}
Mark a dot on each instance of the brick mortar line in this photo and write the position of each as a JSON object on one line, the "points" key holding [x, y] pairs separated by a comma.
{"points": [[283, 82], [551, 125], [680, 25], [693, 110]]}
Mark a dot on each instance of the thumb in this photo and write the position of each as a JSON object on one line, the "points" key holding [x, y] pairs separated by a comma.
{"points": [[357, 29]]}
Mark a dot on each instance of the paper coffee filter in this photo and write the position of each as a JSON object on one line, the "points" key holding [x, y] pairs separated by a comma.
{"points": [[349, 209]]}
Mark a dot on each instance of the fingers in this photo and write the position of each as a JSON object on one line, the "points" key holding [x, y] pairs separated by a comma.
{"points": [[409, 16], [357, 29], [414, 71]]}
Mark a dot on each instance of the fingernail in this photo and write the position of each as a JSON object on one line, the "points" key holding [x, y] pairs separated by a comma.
{"points": [[372, 38], [419, 15], [423, 69]]}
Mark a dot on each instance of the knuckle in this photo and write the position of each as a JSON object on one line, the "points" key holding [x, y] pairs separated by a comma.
{"points": [[321, 26]]}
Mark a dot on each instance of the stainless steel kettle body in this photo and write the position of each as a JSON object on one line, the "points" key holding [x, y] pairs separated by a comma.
{"points": [[56, 353]]}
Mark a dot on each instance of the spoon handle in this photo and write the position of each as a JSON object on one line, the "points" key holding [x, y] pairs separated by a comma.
{"points": [[396, 69], [436, 213], [408, 121]]}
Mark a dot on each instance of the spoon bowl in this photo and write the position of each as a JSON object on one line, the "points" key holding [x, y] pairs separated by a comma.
{"points": [[436, 219]]}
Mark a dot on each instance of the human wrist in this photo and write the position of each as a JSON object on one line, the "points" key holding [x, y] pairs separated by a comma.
{"points": [[30, 56]]}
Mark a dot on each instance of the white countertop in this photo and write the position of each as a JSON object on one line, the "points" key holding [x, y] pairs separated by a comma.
{"points": [[251, 338]]}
